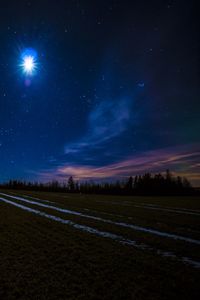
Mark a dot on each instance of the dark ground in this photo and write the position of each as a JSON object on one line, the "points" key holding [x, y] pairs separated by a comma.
{"points": [[43, 259]]}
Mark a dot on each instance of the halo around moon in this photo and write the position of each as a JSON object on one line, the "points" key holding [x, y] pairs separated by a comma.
{"points": [[29, 61]]}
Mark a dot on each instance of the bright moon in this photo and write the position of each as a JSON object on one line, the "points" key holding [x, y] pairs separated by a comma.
{"points": [[28, 64]]}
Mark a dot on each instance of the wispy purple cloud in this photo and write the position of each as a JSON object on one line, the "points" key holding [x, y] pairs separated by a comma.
{"points": [[106, 121], [182, 160]]}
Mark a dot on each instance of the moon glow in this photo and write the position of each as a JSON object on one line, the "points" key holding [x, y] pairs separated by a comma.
{"points": [[29, 62], [29, 65]]}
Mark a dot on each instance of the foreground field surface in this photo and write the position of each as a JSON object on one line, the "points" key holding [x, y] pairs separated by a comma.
{"points": [[69, 246]]}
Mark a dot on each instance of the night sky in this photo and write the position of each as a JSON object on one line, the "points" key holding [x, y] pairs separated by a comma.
{"points": [[114, 92]]}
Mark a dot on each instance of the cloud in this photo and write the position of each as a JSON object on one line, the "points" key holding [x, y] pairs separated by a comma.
{"points": [[108, 120], [182, 160]]}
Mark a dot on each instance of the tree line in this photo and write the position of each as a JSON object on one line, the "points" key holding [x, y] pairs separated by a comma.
{"points": [[147, 184]]}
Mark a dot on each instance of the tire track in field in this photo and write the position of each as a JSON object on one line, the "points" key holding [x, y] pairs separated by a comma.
{"points": [[175, 210], [41, 200], [121, 224], [105, 234]]}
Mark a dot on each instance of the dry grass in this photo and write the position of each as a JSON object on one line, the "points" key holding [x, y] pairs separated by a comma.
{"points": [[43, 259]]}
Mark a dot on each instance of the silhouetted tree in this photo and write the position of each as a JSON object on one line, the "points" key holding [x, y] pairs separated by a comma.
{"points": [[129, 185], [146, 184], [71, 184]]}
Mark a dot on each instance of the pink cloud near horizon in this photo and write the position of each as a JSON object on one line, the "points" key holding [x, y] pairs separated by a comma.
{"points": [[181, 160]]}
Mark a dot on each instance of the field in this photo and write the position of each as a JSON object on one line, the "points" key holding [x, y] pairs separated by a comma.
{"points": [[70, 246]]}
